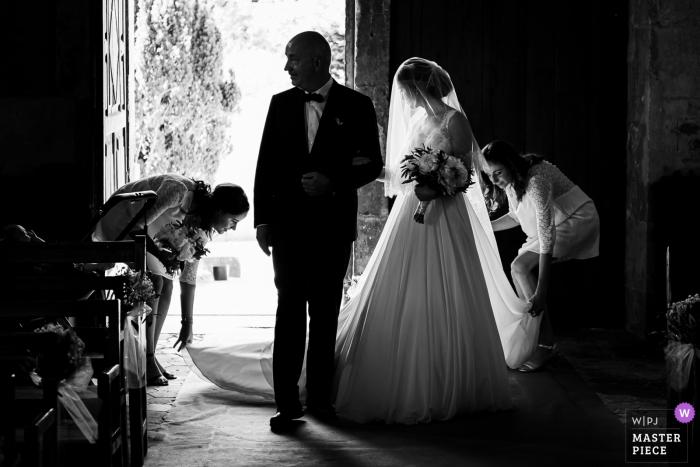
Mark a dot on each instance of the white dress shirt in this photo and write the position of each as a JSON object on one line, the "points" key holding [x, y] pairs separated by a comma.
{"points": [[314, 111]]}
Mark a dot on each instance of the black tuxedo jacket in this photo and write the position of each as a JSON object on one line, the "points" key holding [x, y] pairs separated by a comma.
{"points": [[348, 128]]}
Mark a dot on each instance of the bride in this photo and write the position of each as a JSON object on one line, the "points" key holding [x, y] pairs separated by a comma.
{"points": [[425, 333]]}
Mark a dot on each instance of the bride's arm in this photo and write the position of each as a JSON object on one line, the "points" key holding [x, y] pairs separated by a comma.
{"points": [[461, 138], [365, 160], [382, 176]]}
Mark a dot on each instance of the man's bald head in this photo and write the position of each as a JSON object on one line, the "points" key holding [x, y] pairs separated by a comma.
{"points": [[308, 60], [314, 44]]}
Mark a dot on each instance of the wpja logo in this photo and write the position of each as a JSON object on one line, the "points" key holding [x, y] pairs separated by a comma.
{"points": [[658, 435]]}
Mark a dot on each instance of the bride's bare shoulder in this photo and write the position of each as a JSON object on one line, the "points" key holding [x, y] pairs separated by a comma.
{"points": [[458, 122]]}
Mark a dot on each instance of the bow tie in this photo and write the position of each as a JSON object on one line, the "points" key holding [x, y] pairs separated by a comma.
{"points": [[312, 97]]}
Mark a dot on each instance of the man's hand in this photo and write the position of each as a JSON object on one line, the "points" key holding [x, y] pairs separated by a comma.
{"points": [[315, 184], [262, 234], [359, 160], [425, 193]]}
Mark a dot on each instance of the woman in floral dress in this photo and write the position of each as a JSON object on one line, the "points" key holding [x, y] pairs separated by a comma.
{"points": [[180, 199]]}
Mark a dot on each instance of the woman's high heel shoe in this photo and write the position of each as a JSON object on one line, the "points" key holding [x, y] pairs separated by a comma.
{"points": [[554, 353], [159, 380]]}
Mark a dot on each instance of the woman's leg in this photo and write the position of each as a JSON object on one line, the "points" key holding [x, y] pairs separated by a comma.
{"points": [[163, 307], [522, 271], [152, 370]]}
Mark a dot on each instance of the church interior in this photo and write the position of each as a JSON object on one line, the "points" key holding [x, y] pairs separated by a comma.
{"points": [[607, 90]]}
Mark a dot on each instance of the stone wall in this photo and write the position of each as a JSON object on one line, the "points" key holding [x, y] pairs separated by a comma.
{"points": [[663, 119], [370, 63]]}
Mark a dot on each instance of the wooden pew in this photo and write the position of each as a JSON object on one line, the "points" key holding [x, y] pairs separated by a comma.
{"points": [[38, 446], [42, 429], [132, 252]]}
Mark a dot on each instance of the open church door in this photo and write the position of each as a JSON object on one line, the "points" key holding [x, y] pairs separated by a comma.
{"points": [[114, 100]]}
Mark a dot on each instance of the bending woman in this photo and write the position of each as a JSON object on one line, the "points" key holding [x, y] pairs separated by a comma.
{"points": [[179, 199], [560, 222]]}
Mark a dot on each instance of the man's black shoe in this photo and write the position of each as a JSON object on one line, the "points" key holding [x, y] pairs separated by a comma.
{"points": [[325, 412], [284, 419]]}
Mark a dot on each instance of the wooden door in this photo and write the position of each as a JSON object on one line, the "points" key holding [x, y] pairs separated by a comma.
{"points": [[112, 162], [548, 77]]}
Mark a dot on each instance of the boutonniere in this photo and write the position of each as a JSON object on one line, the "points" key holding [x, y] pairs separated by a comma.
{"points": [[337, 120]]}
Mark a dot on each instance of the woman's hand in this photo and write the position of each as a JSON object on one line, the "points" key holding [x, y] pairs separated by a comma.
{"points": [[425, 193], [537, 301], [185, 336], [169, 260], [34, 237], [90, 267]]}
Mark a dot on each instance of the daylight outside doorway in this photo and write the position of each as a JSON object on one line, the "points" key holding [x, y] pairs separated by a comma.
{"points": [[253, 38]]}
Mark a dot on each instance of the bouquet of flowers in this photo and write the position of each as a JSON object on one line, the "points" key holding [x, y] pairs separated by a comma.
{"points": [[446, 174], [184, 241], [681, 320], [681, 324], [66, 364], [67, 359], [137, 291]]}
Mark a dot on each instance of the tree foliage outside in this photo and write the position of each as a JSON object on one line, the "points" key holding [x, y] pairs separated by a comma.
{"points": [[184, 99], [266, 24]]}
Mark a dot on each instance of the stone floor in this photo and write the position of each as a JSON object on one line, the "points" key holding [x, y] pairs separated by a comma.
{"points": [[161, 398], [625, 372]]}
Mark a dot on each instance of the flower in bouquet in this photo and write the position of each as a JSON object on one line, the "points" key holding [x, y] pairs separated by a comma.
{"points": [[681, 327], [63, 359], [454, 176], [137, 291], [435, 169], [428, 163], [183, 240], [681, 320]]}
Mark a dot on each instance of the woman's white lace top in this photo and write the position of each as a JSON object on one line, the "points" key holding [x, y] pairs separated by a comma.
{"points": [[545, 183]]}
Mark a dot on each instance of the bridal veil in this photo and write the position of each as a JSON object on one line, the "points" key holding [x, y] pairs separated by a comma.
{"points": [[421, 79]]}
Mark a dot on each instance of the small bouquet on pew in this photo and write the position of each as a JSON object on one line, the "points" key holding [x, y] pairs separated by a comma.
{"points": [[65, 357], [137, 291], [445, 174], [64, 363], [681, 327], [184, 241]]}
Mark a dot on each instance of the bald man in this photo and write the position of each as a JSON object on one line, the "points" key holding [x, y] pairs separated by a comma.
{"points": [[305, 204]]}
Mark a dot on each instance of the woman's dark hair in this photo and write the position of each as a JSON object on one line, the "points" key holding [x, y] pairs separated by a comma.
{"points": [[226, 197], [8, 233], [518, 165]]}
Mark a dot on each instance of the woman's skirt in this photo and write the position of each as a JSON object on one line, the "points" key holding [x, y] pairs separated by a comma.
{"points": [[577, 228]]}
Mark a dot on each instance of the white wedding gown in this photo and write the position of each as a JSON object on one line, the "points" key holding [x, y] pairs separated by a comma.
{"points": [[419, 339]]}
